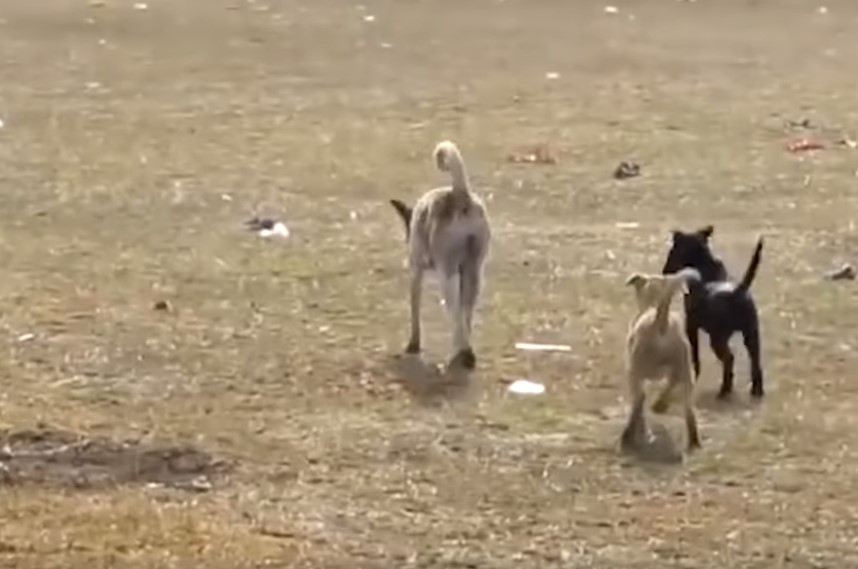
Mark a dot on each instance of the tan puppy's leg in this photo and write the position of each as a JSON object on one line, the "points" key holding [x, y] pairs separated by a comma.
{"points": [[691, 427], [663, 401], [636, 430], [686, 380]]}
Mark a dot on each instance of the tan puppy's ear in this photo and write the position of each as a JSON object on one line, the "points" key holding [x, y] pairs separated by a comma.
{"points": [[635, 280]]}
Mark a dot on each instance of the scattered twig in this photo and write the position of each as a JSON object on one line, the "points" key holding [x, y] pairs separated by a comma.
{"points": [[804, 145]]}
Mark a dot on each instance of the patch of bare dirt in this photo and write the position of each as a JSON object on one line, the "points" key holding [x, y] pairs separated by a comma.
{"points": [[59, 458]]}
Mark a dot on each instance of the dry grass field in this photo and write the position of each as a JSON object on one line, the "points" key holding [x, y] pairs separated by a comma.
{"points": [[264, 419]]}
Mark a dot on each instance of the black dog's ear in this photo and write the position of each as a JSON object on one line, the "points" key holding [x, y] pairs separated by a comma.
{"points": [[675, 235], [706, 232], [405, 213]]}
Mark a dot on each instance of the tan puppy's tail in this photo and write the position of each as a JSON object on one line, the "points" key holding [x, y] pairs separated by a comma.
{"points": [[673, 284], [449, 159]]}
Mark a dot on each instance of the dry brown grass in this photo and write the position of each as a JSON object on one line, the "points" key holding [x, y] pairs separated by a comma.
{"points": [[115, 156]]}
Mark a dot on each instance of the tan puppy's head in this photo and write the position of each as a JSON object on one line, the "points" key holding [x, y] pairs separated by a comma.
{"points": [[650, 290]]}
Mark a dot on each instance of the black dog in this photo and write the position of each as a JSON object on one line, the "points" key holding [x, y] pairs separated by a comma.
{"points": [[718, 306]]}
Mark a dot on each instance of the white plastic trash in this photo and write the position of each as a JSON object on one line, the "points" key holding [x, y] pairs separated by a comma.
{"points": [[543, 347], [279, 229], [267, 227], [526, 387]]}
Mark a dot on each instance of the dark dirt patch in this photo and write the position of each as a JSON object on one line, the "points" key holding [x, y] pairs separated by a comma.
{"points": [[58, 458]]}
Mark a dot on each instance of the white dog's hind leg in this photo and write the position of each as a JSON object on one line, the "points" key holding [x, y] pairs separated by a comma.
{"points": [[451, 286], [471, 283], [415, 299]]}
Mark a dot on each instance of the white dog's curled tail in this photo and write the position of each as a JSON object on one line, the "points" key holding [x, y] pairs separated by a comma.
{"points": [[449, 159]]}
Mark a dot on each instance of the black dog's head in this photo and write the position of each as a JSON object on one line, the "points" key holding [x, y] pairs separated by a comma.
{"points": [[692, 250], [405, 213]]}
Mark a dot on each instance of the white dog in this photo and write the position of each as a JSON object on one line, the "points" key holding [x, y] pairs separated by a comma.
{"points": [[448, 231]]}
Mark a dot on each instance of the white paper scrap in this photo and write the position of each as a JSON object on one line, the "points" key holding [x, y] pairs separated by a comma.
{"points": [[543, 347]]}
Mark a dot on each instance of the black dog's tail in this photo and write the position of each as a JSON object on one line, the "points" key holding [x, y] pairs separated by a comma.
{"points": [[751, 271]]}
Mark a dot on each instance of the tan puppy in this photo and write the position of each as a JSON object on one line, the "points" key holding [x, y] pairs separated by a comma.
{"points": [[448, 231], [657, 347]]}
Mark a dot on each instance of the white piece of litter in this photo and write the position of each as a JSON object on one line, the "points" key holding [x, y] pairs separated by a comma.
{"points": [[353, 215], [26, 337], [226, 197], [627, 225], [369, 18], [279, 229], [612, 10], [2, 124], [141, 6], [525, 387], [386, 45], [543, 347], [552, 75]]}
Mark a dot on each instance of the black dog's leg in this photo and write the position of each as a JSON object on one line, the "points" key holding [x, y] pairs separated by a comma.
{"points": [[721, 347], [751, 337]]}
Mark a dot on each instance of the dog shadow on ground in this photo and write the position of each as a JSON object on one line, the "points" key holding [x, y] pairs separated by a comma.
{"points": [[428, 383], [662, 448], [736, 403], [666, 447]]}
